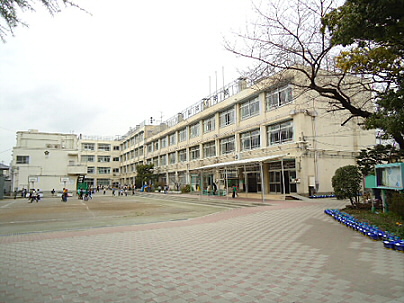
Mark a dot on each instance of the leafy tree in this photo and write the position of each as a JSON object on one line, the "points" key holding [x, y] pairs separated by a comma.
{"points": [[379, 154], [300, 36], [374, 32], [10, 9], [347, 183], [145, 173]]}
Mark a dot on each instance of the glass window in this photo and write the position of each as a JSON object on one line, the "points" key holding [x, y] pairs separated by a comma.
{"points": [[163, 160], [279, 97], [280, 133], [227, 118], [104, 170], [250, 108], [88, 146], [182, 155], [163, 142], [22, 160], [87, 158], [104, 147], [209, 149], [227, 145], [209, 124], [104, 159], [116, 147], [250, 140], [194, 130], [115, 170], [194, 153], [182, 135], [171, 139], [172, 158], [90, 170], [115, 159]]}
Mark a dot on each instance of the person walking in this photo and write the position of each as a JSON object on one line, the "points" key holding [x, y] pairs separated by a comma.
{"points": [[234, 194]]}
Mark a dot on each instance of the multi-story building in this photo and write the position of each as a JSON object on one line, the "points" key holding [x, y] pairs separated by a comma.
{"points": [[45, 161], [272, 137], [101, 156], [49, 161]]}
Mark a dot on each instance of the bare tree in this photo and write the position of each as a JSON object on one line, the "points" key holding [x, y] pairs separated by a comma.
{"points": [[290, 36], [11, 9]]}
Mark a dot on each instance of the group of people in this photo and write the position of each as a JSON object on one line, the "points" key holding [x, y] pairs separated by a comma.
{"points": [[34, 196]]}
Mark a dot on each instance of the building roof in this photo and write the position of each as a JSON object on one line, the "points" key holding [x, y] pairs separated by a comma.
{"points": [[4, 167], [241, 162]]}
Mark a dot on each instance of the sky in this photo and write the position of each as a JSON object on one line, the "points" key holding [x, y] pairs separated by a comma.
{"points": [[104, 72]]}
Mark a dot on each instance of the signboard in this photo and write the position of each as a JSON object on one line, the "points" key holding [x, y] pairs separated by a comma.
{"points": [[390, 176], [64, 180], [32, 179]]}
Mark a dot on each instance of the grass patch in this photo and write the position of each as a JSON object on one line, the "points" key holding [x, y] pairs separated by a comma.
{"points": [[387, 222]]}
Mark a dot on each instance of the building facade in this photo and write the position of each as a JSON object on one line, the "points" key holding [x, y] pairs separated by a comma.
{"points": [[272, 137]]}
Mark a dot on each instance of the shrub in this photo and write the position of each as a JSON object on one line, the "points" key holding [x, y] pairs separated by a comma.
{"points": [[186, 189], [397, 204]]}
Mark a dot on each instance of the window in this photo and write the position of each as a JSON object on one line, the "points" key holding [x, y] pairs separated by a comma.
{"points": [[104, 147], [22, 159], [209, 149], [91, 170], [116, 147], [171, 139], [279, 97], [87, 158], [194, 153], [182, 155], [250, 108], [182, 135], [115, 170], [155, 161], [172, 158], [104, 159], [115, 159], [88, 146], [149, 148], [250, 140], [156, 145], [227, 145], [280, 133], [194, 130], [163, 160], [226, 118], [209, 124], [104, 170], [164, 142]]}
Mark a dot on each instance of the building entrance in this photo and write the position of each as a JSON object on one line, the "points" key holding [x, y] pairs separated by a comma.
{"points": [[281, 176]]}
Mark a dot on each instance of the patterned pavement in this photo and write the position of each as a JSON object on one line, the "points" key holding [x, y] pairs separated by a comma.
{"points": [[287, 252]]}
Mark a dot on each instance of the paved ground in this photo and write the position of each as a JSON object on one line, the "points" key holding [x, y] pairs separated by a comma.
{"points": [[285, 252]]}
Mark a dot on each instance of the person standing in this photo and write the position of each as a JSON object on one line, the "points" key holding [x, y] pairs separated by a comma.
{"points": [[234, 191]]}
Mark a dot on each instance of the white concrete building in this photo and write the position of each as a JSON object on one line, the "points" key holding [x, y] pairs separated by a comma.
{"points": [[269, 138]]}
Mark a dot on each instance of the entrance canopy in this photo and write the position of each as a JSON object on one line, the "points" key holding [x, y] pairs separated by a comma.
{"points": [[240, 162]]}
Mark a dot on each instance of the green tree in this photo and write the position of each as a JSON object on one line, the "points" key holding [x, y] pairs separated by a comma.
{"points": [[379, 154], [373, 32], [347, 183], [10, 10], [145, 174]]}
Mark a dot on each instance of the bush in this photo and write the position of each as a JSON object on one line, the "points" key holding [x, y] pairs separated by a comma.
{"points": [[397, 204], [347, 183], [186, 189]]}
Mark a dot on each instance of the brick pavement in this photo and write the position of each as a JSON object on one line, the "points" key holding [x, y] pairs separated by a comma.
{"points": [[287, 252]]}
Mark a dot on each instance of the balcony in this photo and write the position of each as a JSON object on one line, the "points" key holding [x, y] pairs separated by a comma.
{"points": [[77, 169]]}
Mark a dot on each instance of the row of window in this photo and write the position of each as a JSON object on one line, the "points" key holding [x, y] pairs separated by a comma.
{"points": [[101, 170], [91, 158], [276, 134], [100, 147], [248, 109]]}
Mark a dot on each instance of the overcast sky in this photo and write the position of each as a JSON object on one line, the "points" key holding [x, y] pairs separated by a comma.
{"points": [[100, 74]]}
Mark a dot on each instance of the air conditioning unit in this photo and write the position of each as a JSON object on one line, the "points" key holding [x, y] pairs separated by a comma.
{"points": [[238, 156]]}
